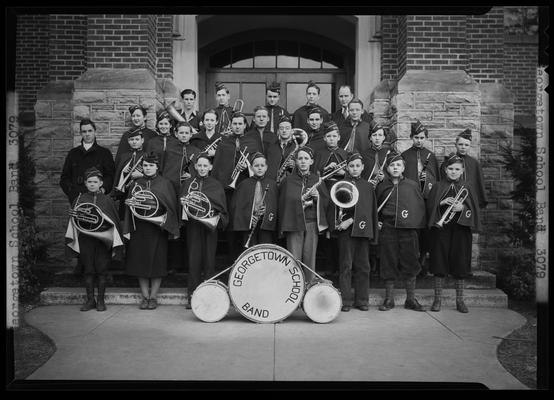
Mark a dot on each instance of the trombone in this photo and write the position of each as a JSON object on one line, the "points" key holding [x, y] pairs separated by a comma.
{"points": [[237, 170], [449, 213]]}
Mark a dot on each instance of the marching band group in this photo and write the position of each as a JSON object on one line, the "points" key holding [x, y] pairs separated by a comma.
{"points": [[286, 179]]}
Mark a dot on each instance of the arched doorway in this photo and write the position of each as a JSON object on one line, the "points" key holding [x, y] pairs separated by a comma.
{"points": [[248, 61]]}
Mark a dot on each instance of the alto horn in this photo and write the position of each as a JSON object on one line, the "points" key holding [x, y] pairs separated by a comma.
{"points": [[197, 206], [88, 219]]}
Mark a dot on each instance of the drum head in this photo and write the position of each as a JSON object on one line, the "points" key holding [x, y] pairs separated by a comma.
{"points": [[210, 301], [266, 283], [322, 303]]}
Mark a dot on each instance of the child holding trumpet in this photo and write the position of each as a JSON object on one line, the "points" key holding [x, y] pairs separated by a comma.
{"points": [[453, 213]]}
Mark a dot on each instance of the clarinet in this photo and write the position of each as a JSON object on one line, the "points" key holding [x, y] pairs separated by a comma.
{"points": [[422, 184]]}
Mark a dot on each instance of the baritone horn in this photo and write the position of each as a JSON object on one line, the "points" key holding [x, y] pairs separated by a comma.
{"points": [[88, 219], [145, 205], [449, 213], [345, 195], [196, 205], [171, 110]]}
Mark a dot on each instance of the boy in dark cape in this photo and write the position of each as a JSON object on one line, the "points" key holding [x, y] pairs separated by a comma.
{"points": [[355, 227], [246, 204], [147, 133], [281, 151], [402, 213], [96, 247], [451, 242], [207, 135]]}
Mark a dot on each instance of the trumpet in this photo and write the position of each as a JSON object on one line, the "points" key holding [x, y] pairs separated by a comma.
{"points": [[374, 181], [256, 217], [213, 145], [308, 193], [449, 213], [300, 140], [123, 182], [237, 170]]}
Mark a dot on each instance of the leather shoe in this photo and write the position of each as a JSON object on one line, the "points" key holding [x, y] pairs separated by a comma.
{"points": [[363, 307], [345, 308], [187, 305], [387, 305], [436, 305], [461, 306], [152, 304], [413, 304], [144, 304]]}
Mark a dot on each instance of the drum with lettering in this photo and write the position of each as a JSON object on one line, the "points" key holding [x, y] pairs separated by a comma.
{"points": [[322, 302], [266, 283], [210, 301]]}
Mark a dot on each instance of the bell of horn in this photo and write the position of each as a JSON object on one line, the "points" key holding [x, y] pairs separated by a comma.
{"points": [[344, 194]]}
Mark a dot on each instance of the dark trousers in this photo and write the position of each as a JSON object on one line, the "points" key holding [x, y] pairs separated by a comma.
{"points": [[202, 246], [451, 250], [399, 253], [176, 252], [94, 256], [353, 255]]}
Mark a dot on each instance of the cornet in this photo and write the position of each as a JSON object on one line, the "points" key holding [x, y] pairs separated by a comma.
{"points": [[236, 172], [449, 213]]}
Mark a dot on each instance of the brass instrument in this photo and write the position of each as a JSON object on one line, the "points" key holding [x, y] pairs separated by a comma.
{"points": [[123, 180], [174, 113], [237, 107], [213, 145], [88, 219], [308, 193], [345, 195], [385, 201], [196, 205], [144, 205], [237, 170], [449, 213], [373, 178], [300, 140], [256, 217], [240, 105]]}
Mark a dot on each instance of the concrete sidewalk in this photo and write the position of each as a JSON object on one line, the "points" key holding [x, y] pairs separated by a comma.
{"points": [[170, 343]]}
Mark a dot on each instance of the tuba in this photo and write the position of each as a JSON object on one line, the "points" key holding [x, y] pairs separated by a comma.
{"points": [[300, 139], [171, 110], [449, 214], [88, 219], [345, 195], [144, 205], [197, 206]]}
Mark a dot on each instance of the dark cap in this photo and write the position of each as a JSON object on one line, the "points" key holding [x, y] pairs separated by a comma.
{"points": [[219, 86], [93, 171], [135, 132], [355, 156], [275, 87], [200, 155], [136, 107], [452, 158], [465, 134], [306, 149], [330, 127], [312, 84], [315, 110], [285, 118], [163, 114], [392, 157], [152, 158], [417, 128], [374, 127], [257, 154]]}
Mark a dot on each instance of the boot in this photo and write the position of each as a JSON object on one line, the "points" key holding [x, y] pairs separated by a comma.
{"points": [[411, 302], [389, 299], [89, 286], [100, 305], [438, 294], [460, 305]]}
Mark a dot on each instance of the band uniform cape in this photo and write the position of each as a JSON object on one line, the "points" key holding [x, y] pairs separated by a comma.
{"points": [[194, 120], [339, 119], [431, 167], [200, 140], [124, 147], [178, 160], [242, 205], [365, 211], [130, 158], [109, 212], [163, 190], [291, 213], [224, 114], [162, 145], [215, 194], [325, 156], [373, 158], [264, 140], [300, 116], [361, 142], [276, 156], [473, 174], [469, 216], [227, 156], [78, 160], [275, 113], [408, 202]]}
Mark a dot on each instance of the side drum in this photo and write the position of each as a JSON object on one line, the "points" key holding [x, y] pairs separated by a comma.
{"points": [[322, 302], [210, 301]]}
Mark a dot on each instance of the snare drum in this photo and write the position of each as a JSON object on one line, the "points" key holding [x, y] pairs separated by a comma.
{"points": [[322, 302], [210, 301], [266, 283]]}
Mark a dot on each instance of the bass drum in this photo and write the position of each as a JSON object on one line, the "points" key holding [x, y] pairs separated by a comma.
{"points": [[210, 301], [266, 283], [322, 302]]}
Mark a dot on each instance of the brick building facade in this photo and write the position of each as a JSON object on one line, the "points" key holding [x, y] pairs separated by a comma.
{"points": [[450, 71]]}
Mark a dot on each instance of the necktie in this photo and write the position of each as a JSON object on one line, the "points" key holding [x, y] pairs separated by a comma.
{"points": [[350, 144], [345, 112]]}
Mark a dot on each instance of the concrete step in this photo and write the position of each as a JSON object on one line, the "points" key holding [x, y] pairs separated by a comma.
{"points": [[494, 298]]}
